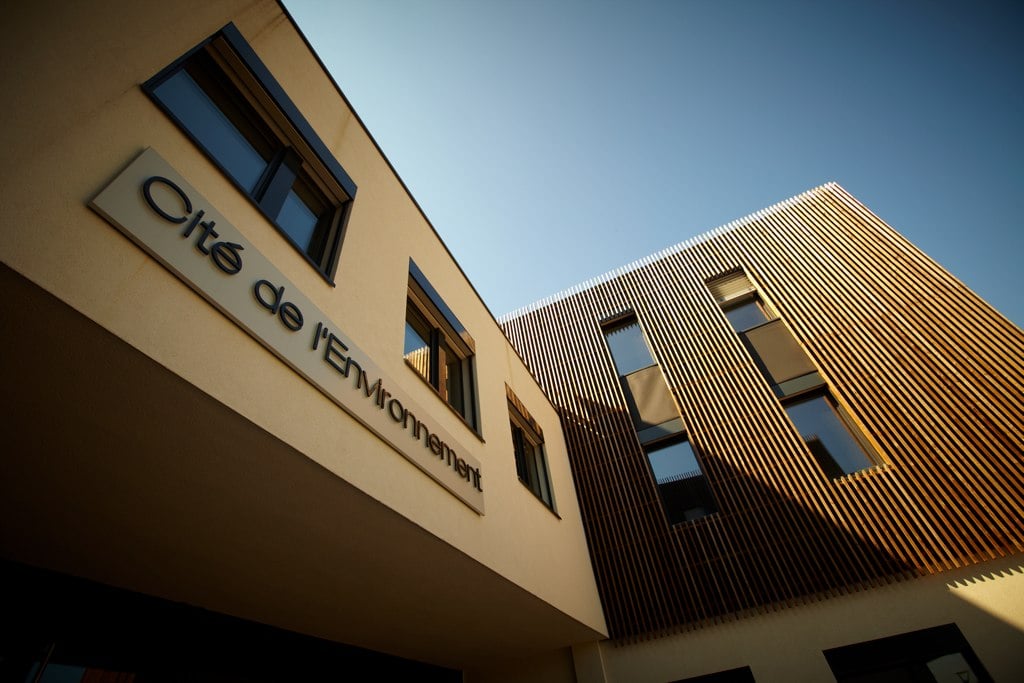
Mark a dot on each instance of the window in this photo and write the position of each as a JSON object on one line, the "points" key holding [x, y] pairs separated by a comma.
{"points": [[628, 347], [224, 98], [438, 347], [739, 300], [528, 447], [834, 444], [940, 654], [747, 313], [684, 490], [777, 353]]}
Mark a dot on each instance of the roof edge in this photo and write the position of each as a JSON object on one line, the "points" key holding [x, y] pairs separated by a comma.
{"points": [[658, 255]]}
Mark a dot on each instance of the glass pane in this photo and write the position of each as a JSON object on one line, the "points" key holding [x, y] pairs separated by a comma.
{"points": [[297, 219], [828, 437], [530, 465], [454, 382], [204, 119], [519, 447], [746, 315], [543, 485], [629, 348], [952, 668], [674, 462], [62, 673], [684, 490], [417, 351]]}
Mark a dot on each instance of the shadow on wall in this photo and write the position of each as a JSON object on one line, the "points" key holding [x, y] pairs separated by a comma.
{"points": [[761, 549]]}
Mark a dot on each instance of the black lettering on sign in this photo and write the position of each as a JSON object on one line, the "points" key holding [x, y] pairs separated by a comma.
{"points": [[147, 193], [289, 313], [226, 257]]}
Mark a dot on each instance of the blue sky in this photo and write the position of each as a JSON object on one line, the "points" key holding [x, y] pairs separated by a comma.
{"points": [[552, 141]]}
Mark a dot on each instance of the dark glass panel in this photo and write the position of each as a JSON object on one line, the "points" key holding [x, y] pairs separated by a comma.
{"points": [[454, 388], [684, 489], [297, 220], [212, 128], [746, 315], [629, 348], [530, 465], [828, 437], [674, 462]]}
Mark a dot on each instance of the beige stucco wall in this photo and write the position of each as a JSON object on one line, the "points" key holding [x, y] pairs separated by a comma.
{"points": [[986, 602], [80, 116]]}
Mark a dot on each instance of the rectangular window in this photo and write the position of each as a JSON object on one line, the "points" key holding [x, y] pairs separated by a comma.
{"points": [[747, 313], [938, 654], [827, 433], [223, 97], [628, 347], [528, 448], [684, 489], [837, 446], [530, 463], [438, 347], [740, 301]]}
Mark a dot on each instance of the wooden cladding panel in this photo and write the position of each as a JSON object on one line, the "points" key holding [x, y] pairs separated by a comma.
{"points": [[930, 373]]}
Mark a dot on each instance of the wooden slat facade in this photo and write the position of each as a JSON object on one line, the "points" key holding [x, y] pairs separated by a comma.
{"points": [[928, 371]]}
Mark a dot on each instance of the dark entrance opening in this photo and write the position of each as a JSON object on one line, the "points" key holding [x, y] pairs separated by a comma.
{"points": [[58, 629]]}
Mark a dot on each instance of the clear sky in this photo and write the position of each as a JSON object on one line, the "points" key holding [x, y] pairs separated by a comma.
{"points": [[550, 141]]}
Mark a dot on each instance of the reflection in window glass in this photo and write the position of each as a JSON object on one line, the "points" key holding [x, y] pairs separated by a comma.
{"points": [[953, 668], [242, 129], [674, 462], [417, 350], [531, 465], [629, 348], [746, 315], [454, 381], [684, 489], [297, 220], [828, 437], [205, 120]]}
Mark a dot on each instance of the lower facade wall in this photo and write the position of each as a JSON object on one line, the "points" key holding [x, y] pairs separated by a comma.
{"points": [[985, 601], [550, 667]]}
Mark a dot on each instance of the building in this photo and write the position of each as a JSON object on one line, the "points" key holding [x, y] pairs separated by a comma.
{"points": [[791, 436], [260, 426], [220, 299]]}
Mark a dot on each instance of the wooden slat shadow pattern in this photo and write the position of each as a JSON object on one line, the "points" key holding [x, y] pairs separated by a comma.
{"points": [[931, 373]]}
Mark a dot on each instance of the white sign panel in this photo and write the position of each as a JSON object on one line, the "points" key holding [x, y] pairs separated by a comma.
{"points": [[160, 211]]}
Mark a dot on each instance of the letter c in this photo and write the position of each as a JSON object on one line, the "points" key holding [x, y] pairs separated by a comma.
{"points": [[148, 195]]}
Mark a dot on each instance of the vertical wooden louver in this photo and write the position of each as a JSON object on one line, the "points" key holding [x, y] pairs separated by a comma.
{"points": [[927, 370]]}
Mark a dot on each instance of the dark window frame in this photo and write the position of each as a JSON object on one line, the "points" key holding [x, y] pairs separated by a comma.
{"points": [[299, 158], [530, 456], [445, 337]]}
